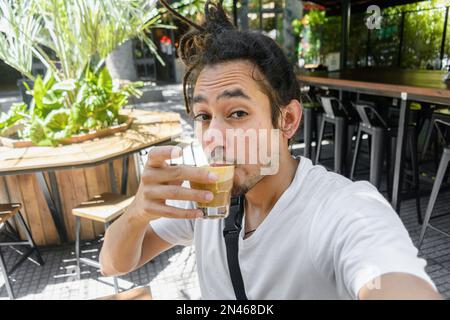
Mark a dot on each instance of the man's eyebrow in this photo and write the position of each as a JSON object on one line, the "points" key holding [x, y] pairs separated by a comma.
{"points": [[198, 99], [235, 93]]}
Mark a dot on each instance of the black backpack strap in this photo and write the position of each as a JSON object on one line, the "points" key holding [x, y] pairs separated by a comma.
{"points": [[231, 231]]}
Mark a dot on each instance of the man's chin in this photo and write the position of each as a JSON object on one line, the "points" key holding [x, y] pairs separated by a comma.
{"points": [[241, 188], [238, 191]]}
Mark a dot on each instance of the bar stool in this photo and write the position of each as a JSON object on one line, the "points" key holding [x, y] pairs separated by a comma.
{"points": [[311, 109], [103, 208], [443, 164], [337, 114], [441, 114], [381, 134], [7, 211]]}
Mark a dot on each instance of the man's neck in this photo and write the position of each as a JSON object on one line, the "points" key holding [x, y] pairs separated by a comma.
{"points": [[263, 196]]}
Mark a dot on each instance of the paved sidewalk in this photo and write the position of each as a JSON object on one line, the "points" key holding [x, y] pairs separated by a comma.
{"points": [[172, 275]]}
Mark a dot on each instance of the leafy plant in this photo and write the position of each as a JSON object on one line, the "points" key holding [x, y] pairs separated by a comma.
{"points": [[72, 38], [422, 36], [61, 109], [16, 113], [75, 32]]}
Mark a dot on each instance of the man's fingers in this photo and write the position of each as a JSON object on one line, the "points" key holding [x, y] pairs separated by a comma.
{"points": [[176, 213], [158, 155], [180, 173], [163, 192]]}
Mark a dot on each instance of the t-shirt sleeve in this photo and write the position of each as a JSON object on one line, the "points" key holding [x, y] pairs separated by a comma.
{"points": [[175, 231], [359, 237]]}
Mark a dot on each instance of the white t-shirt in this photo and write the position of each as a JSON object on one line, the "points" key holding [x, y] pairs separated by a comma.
{"points": [[325, 238]]}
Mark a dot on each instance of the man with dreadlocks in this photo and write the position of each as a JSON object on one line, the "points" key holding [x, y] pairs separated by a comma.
{"points": [[307, 233]]}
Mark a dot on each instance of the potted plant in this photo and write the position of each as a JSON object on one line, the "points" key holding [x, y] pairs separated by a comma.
{"points": [[77, 98]]}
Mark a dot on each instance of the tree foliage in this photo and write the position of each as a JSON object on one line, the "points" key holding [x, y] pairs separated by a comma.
{"points": [[422, 36]]}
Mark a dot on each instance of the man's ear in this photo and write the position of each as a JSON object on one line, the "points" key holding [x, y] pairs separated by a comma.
{"points": [[291, 117]]}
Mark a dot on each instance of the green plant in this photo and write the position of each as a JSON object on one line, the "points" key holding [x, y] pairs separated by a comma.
{"points": [[76, 32], [14, 116], [72, 38], [97, 100], [422, 36], [315, 27]]}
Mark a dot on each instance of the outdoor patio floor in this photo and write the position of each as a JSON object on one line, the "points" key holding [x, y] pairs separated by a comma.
{"points": [[172, 275]]}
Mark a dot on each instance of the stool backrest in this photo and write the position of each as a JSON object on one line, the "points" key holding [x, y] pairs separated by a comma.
{"points": [[369, 115], [306, 97], [334, 107], [443, 130]]}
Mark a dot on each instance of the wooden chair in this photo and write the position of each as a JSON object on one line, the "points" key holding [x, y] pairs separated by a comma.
{"points": [[104, 208], [7, 211]]}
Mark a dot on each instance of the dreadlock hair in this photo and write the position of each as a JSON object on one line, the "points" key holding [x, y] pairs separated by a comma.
{"points": [[217, 40]]}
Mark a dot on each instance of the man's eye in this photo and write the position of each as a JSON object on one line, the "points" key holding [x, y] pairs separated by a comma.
{"points": [[238, 114], [201, 117]]}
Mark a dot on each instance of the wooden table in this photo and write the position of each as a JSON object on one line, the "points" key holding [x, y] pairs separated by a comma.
{"points": [[141, 293], [57, 170], [406, 85]]}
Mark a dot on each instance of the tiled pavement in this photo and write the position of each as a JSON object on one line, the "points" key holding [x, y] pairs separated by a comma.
{"points": [[172, 275]]}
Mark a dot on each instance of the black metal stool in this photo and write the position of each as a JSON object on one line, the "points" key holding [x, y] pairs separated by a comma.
{"points": [[443, 164], [104, 208], [381, 133], [337, 114], [7, 211]]}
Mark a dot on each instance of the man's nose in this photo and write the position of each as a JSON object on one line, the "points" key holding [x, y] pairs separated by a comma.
{"points": [[215, 132]]}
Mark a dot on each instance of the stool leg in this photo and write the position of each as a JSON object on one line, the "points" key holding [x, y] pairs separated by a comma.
{"points": [[6, 277], [436, 153], [316, 126], [412, 139], [376, 158], [388, 166], [434, 193], [352, 129], [307, 131], [356, 153], [428, 135], [30, 238], [319, 141], [339, 144], [77, 244], [116, 284]]}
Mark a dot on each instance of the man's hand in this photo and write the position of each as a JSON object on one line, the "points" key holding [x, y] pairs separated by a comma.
{"points": [[399, 286], [160, 182], [130, 241]]}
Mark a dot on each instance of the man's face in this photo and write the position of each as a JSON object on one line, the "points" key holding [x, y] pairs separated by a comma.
{"points": [[231, 114]]}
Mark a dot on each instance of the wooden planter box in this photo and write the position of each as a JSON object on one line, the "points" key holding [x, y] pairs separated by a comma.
{"points": [[81, 171], [94, 134]]}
